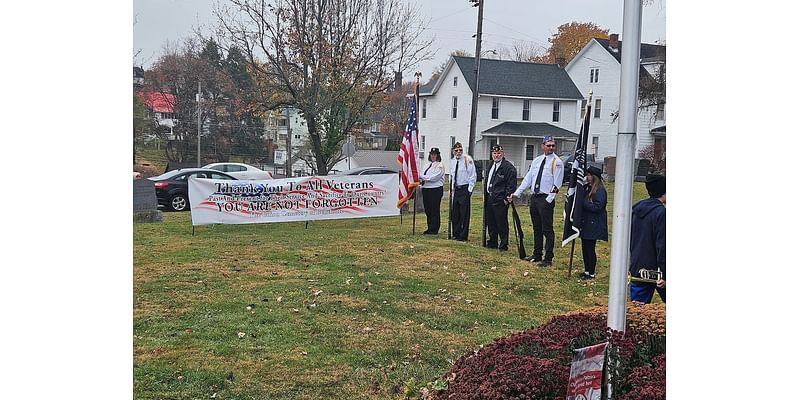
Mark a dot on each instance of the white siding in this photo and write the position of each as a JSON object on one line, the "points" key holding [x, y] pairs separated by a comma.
{"points": [[438, 126], [607, 89]]}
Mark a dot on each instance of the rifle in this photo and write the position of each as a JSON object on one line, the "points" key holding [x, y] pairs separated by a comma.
{"points": [[518, 232]]}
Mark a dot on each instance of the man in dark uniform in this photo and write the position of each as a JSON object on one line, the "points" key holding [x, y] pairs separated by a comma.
{"points": [[501, 180], [649, 240]]}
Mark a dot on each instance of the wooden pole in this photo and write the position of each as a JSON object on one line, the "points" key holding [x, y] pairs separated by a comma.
{"points": [[571, 253]]}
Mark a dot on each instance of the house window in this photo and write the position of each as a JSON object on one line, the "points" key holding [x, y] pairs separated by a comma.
{"points": [[556, 111], [495, 107], [530, 152], [595, 144], [452, 141], [423, 142], [454, 112], [660, 111], [424, 108], [283, 122], [455, 81], [526, 110], [297, 137], [583, 108], [597, 108], [594, 74]]}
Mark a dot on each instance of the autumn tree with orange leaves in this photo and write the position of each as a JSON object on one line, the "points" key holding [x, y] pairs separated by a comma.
{"points": [[331, 59], [570, 39]]}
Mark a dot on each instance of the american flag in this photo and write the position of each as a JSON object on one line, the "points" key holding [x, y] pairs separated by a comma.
{"points": [[407, 158], [573, 210]]}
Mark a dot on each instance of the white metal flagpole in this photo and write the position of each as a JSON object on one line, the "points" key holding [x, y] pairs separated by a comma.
{"points": [[626, 149]]}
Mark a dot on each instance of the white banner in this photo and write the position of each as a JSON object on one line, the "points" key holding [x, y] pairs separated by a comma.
{"points": [[218, 201]]}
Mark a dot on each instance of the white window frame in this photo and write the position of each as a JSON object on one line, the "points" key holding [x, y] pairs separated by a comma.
{"points": [[556, 111], [597, 108], [455, 81], [495, 107], [424, 108], [454, 108], [594, 75], [526, 108]]}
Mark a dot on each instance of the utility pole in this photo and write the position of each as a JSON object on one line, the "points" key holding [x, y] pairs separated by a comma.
{"points": [[288, 144], [198, 122], [474, 113]]}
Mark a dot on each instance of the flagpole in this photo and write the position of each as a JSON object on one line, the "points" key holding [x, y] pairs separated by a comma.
{"points": [[416, 140], [571, 253]]}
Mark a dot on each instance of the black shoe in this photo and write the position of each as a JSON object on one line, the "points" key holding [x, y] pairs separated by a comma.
{"points": [[585, 276], [429, 233], [545, 263], [491, 246], [503, 248], [461, 239], [533, 258]]}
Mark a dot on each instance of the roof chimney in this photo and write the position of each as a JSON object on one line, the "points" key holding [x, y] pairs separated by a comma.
{"points": [[613, 42], [561, 61]]}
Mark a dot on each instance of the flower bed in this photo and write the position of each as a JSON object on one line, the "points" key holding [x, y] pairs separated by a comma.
{"points": [[535, 364]]}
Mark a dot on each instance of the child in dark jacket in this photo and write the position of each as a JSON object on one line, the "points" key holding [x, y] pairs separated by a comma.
{"points": [[649, 240], [594, 219]]}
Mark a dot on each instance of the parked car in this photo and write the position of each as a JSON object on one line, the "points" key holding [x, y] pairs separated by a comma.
{"points": [[369, 171], [172, 188], [240, 171]]}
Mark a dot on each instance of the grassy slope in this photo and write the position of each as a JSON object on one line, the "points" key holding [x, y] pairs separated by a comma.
{"points": [[346, 309]]}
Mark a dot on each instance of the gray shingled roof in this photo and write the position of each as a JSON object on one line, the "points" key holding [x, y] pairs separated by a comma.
{"points": [[529, 129], [514, 78], [648, 52]]}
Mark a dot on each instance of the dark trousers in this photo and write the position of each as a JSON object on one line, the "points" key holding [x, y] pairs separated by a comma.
{"points": [[542, 220], [497, 224], [459, 214], [589, 255], [432, 199]]}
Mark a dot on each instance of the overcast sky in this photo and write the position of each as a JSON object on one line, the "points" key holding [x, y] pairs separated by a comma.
{"points": [[452, 23]]}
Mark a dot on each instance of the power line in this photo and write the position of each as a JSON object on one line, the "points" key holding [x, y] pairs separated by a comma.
{"points": [[514, 30]]}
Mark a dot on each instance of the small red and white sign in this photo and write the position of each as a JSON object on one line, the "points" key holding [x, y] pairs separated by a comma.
{"points": [[586, 373]]}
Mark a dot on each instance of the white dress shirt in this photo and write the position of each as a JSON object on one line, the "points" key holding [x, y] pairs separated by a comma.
{"points": [[495, 166], [552, 176], [466, 171], [433, 175]]}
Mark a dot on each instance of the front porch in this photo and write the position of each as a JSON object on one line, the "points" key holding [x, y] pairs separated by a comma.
{"points": [[522, 142]]}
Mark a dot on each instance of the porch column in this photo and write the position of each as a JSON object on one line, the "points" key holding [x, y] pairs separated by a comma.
{"points": [[524, 153]]}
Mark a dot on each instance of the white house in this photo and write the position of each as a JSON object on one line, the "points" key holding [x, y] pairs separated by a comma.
{"points": [[518, 104], [279, 123], [597, 68]]}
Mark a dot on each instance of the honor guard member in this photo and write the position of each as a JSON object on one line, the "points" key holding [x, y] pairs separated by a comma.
{"points": [[544, 178], [462, 182], [432, 190], [501, 180]]}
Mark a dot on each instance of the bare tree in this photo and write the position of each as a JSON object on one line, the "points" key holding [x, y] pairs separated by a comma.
{"points": [[331, 59]]}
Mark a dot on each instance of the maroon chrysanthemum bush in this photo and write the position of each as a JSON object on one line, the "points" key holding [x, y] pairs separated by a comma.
{"points": [[535, 364]]}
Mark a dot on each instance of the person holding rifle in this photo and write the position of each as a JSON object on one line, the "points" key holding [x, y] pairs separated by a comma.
{"points": [[501, 180], [544, 178], [432, 190], [594, 226], [462, 182]]}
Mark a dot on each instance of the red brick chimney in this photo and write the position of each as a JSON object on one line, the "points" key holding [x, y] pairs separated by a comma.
{"points": [[613, 41], [398, 80]]}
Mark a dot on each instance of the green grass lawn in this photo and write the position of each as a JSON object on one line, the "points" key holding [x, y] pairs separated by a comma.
{"points": [[346, 309]]}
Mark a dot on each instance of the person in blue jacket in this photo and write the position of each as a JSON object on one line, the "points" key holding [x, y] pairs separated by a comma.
{"points": [[594, 219], [649, 240]]}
